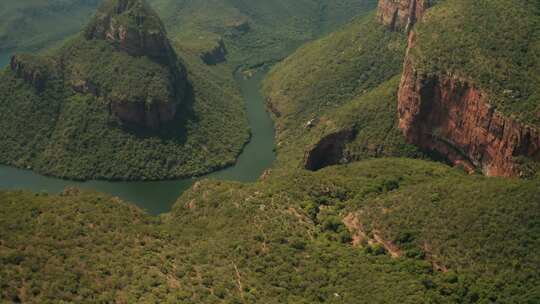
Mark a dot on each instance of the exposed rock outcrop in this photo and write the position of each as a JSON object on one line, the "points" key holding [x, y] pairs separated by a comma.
{"points": [[31, 69], [401, 15], [140, 113], [449, 115], [132, 26], [328, 151], [215, 55]]}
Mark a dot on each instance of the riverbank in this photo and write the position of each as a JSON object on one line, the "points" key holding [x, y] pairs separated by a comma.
{"points": [[158, 197]]}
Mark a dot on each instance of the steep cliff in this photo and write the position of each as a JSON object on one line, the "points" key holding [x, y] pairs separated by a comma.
{"points": [[401, 15], [467, 99], [151, 98], [132, 26], [451, 116]]}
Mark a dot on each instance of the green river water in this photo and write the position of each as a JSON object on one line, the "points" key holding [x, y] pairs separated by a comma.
{"points": [[158, 197]]}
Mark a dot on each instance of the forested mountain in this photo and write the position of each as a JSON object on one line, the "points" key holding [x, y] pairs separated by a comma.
{"points": [[408, 160]]}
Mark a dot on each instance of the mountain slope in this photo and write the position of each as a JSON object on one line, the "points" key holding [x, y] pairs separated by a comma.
{"points": [[230, 242], [136, 115], [310, 94]]}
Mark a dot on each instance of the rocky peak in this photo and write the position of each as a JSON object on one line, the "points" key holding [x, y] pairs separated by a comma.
{"points": [[401, 15], [134, 27]]}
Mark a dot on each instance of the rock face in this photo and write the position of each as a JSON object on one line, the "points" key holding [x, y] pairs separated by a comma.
{"points": [[449, 115], [31, 70], [401, 15], [328, 151], [215, 55], [151, 115], [132, 26]]}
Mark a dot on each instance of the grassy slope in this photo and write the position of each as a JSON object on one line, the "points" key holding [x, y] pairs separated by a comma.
{"points": [[330, 80], [495, 43], [102, 249]]}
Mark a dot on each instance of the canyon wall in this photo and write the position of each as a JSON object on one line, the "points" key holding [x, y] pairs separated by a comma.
{"points": [[401, 15], [447, 114]]}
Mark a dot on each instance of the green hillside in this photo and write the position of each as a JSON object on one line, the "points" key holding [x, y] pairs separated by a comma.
{"points": [[67, 116], [255, 31], [283, 240], [350, 213], [344, 81], [73, 136]]}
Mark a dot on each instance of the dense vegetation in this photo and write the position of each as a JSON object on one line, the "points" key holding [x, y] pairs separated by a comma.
{"points": [[255, 31], [386, 230], [329, 83], [283, 240], [72, 135], [58, 119], [493, 43]]}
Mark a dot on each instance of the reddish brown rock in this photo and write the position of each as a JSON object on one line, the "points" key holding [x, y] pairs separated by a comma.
{"points": [[401, 15], [449, 115]]}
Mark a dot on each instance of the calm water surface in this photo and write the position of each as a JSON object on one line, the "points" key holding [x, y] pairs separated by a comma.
{"points": [[158, 197]]}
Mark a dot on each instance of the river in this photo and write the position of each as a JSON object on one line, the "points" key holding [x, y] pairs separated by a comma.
{"points": [[158, 197]]}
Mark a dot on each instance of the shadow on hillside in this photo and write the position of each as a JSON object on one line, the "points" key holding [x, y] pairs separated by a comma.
{"points": [[175, 130]]}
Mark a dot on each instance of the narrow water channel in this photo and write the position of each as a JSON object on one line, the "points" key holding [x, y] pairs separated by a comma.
{"points": [[158, 197]]}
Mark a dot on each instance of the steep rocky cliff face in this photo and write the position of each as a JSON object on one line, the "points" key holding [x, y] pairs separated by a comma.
{"points": [[401, 14], [132, 26], [449, 115]]}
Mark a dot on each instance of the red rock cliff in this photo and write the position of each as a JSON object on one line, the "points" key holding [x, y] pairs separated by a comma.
{"points": [[401, 14], [449, 115]]}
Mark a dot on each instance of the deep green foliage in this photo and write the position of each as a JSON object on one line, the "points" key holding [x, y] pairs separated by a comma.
{"points": [[239, 243], [255, 31], [329, 82], [73, 135], [67, 134]]}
